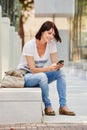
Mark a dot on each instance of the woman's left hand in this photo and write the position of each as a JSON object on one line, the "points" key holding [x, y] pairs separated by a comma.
{"points": [[60, 65]]}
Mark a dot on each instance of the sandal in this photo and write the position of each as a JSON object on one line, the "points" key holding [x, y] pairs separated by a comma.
{"points": [[64, 112], [49, 113]]}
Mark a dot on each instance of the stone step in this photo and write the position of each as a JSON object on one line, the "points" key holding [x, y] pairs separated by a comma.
{"points": [[64, 119], [20, 105]]}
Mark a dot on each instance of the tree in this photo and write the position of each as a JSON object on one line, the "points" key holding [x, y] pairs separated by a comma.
{"points": [[27, 5]]}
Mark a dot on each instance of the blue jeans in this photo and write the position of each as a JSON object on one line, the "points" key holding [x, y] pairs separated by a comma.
{"points": [[42, 80]]}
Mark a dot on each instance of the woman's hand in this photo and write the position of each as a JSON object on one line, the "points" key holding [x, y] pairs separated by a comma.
{"points": [[60, 65], [55, 66]]}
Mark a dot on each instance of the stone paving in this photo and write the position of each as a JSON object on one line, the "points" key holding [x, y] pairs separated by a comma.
{"points": [[43, 126], [77, 94]]}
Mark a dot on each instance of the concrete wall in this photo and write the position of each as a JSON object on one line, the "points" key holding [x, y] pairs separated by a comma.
{"points": [[0, 44], [62, 8], [5, 29], [63, 47], [10, 46]]}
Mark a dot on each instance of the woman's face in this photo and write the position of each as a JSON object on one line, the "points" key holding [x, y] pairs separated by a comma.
{"points": [[47, 36]]}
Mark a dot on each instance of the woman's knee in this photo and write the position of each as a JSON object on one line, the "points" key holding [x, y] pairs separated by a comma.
{"points": [[38, 78], [60, 73], [43, 77]]}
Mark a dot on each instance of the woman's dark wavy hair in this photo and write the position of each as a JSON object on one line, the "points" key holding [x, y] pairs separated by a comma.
{"points": [[46, 26]]}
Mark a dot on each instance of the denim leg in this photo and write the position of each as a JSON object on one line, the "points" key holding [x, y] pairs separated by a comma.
{"points": [[61, 84], [32, 80]]}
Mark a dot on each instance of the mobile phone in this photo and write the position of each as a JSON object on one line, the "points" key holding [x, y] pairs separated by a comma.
{"points": [[60, 62]]}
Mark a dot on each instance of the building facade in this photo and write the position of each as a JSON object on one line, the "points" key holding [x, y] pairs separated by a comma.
{"points": [[78, 42], [74, 11]]}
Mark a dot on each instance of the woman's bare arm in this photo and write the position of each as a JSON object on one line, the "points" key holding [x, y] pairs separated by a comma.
{"points": [[54, 59], [33, 69]]}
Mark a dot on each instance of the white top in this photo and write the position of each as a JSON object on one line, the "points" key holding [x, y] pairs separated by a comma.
{"points": [[31, 50]]}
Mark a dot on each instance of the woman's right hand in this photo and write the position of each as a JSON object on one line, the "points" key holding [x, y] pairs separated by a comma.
{"points": [[53, 67]]}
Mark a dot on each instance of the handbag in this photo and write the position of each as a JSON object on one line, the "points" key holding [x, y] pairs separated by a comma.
{"points": [[13, 79]]}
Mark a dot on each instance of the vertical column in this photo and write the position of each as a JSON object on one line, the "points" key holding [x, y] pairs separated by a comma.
{"points": [[11, 51], [5, 27], [0, 44], [17, 49]]}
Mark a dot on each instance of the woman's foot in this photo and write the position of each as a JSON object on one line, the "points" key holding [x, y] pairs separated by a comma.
{"points": [[49, 111], [65, 111]]}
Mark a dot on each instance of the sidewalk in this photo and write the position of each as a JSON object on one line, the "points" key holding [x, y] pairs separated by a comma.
{"points": [[77, 96]]}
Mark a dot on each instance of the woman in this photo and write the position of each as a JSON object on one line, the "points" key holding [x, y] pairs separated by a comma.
{"points": [[35, 55]]}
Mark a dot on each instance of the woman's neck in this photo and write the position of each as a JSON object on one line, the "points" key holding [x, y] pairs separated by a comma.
{"points": [[40, 43], [41, 47]]}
